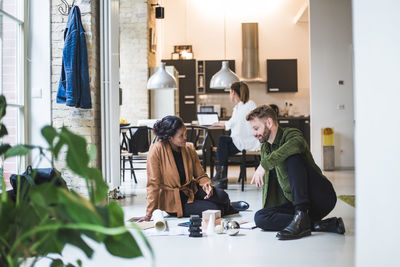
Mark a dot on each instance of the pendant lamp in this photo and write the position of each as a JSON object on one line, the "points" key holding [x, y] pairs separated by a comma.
{"points": [[161, 79], [225, 76]]}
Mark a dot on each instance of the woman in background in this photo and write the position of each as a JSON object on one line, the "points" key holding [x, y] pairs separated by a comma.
{"points": [[176, 182], [241, 133]]}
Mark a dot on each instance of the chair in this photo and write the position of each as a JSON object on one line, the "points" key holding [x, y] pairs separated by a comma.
{"points": [[200, 137], [135, 143], [245, 159]]}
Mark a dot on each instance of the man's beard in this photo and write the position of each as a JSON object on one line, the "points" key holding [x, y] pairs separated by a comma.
{"points": [[266, 134]]}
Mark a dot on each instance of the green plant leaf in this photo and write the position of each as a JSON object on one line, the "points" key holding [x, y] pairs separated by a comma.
{"points": [[57, 263], [3, 130], [73, 237], [77, 156], [123, 245], [58, 146], [116, 214], [45, 199], [4, 148], [3, 188], [18, 150], [139, 231], [100, 186], [49, 133], [47, 242], [92, 152], [79, 208], [3, 106]]}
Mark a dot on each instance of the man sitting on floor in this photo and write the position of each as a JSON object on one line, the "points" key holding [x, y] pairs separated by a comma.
{"points": [[296, 195]]}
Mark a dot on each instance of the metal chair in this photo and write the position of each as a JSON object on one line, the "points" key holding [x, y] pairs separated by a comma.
{"points": [[135, 143], [201, 138], [245, 159]]}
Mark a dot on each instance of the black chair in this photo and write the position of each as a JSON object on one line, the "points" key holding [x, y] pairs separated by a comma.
{"points": [[135, 143], [245, 159], [201, 138]]}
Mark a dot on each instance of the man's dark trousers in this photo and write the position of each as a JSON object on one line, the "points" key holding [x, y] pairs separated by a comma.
{"points": [[310, 191]]}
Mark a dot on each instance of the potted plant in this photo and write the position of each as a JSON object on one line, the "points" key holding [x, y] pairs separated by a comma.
{"points": [[44, 218]]}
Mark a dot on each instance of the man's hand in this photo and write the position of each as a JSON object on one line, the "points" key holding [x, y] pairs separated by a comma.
{"points": [[258, 176], [141, 219], [209, 190]]}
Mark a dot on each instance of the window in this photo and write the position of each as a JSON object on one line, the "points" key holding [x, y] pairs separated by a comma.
{"points": [[12, 76]]}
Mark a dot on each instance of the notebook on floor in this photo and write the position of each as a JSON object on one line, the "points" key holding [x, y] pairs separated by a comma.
{"points": [[207, 118]]}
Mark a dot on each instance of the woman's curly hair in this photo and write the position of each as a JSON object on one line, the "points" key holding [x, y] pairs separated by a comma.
{"points": [[166, 127]]}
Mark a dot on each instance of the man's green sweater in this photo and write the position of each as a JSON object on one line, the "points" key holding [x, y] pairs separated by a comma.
{"points": [[288, 142]]}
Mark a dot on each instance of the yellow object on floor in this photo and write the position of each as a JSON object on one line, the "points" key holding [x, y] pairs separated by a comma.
{"points": [[328, 137], [349, 199]]}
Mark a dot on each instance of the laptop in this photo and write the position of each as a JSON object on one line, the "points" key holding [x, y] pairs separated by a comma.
{"points": [[207, 118]]}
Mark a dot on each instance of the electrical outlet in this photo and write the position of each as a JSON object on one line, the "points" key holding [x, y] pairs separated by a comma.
{"points": [[340, 106], [36, 93]]}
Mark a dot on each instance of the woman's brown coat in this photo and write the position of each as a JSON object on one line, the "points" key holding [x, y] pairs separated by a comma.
{"points": [[163, 182]]}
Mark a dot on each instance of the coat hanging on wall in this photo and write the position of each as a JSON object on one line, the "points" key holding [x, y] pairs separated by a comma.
{"points": [[74, 88]]}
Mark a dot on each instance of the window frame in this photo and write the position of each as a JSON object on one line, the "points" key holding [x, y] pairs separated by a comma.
{"points": [[22, 75]]}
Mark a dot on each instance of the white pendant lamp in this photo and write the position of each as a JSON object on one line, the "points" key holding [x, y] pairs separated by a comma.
{"points": [[161, 79], [224, 78]]}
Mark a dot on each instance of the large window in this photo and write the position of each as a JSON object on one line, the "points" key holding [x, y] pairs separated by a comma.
{"points": [[12, 76]]}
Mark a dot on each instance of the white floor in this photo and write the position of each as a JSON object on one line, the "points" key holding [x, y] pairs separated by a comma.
{"points": [[249, 248]]}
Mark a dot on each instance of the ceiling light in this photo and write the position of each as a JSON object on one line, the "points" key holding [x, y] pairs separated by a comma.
{"points": [[161, 79], [224, 78]]}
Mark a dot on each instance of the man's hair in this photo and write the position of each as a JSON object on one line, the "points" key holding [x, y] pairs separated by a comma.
{"points": [[263, 112]]}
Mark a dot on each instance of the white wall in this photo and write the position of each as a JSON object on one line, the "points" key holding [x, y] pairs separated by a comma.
{"points": [[377, 91], [39, 85], [201, 24], [331, 61]]}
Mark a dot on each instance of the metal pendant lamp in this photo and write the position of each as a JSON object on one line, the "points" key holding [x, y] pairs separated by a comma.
{"points": [[225, 76], [161, 79]]}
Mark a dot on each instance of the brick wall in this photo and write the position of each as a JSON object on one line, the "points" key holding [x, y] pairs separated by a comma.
{"points": [[83, 122], [135, 58], [151, 23]]}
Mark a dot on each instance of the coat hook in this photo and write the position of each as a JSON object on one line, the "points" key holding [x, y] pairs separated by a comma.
{"points": [[67, 7]]}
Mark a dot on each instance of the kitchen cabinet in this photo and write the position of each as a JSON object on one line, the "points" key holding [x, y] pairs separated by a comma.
{"points": [[187, 87], [281, 75], [205, 70], [301, 123]]}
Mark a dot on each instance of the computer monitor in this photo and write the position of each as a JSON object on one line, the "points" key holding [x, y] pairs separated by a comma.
{"points": [[207, 118]]}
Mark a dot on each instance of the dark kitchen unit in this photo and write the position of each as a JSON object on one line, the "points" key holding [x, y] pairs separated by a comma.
{"points": [[205, 70], [301, 123], [282, 75], [187, 87]]}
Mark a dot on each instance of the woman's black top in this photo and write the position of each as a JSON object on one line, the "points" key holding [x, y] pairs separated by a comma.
{"points": [[181, 170], [180, 166]]}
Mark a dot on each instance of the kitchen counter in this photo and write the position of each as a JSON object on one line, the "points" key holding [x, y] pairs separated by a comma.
{"points": [[301, 122], [294, 118]]}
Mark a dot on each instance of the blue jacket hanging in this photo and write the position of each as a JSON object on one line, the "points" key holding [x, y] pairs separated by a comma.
{"points": [[74, 88]]}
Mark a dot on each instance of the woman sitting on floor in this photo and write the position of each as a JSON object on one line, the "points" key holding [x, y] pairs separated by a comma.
{"points": [[176, 182]]}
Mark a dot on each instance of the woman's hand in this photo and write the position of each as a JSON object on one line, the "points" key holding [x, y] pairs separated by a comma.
{"points": [[141, 219], [258, 176], [208, 189]]}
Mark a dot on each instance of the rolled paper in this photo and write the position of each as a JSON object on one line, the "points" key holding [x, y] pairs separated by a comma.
{"points": [[158, 219]]}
